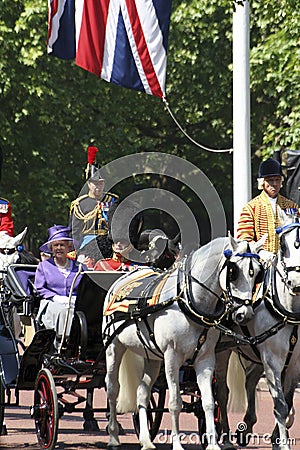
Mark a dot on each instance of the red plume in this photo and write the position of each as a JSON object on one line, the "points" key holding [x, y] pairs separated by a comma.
{"points": [[92, 152]]}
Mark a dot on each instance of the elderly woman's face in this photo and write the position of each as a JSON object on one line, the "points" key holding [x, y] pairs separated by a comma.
{"points": [[60, 248]]}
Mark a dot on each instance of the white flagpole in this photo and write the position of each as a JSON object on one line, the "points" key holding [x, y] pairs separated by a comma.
{"points": [[241, 110]]}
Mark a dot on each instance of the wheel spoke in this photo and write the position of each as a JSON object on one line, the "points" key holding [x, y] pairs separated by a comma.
{"points": [[46, 410]]}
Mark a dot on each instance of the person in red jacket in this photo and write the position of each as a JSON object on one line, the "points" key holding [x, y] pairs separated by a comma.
{"points": [[6, 220], [120, 259]]}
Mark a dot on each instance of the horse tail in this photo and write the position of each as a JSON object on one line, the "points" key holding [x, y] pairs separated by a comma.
{"points": [[130, 375], [237, 401]]}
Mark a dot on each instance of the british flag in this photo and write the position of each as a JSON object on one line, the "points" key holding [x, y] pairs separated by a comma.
{"points": [[61, 28], [122, 41]]}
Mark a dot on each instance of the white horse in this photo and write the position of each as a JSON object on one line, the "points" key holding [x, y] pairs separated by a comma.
{"points": [[196, 296], [9, 253], [273, 334], [12, 252]]}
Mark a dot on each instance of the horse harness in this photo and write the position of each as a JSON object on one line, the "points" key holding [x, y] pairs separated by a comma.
{"points": [[273, 304], [141, 312]]}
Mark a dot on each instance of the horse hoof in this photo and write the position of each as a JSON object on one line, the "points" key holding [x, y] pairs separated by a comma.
{"points": [[242, 439], [229, 446], [121, 430], [91, 425]]}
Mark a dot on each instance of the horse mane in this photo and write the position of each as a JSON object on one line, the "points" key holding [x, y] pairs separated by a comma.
{"points": [[26, 257]]}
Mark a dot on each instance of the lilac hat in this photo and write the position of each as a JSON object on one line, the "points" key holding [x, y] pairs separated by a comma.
{"points": [[56, 233]]}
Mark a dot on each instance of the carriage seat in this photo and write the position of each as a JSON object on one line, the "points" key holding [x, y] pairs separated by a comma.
{"points": [[86, 330], [19, 282]]}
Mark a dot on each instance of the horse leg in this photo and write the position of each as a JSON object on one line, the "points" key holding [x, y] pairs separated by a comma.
{"points": [[114, 355], [172, 366], [143, 397], [222, 393], [281, 410], [290, 383], [253, 373], [90, 423], [204, 368]]}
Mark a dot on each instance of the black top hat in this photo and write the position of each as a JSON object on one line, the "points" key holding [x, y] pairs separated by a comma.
{"points": [[269, 168]]}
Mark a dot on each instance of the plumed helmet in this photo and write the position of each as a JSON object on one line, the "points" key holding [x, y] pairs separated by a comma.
{"points": [[125, 221], [269, 168]]}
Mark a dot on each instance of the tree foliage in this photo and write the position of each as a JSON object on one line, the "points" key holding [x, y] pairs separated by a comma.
{"points": [[51, 110]]}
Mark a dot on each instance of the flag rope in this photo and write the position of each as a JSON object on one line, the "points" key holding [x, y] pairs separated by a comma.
{"points": [[229, 150]]}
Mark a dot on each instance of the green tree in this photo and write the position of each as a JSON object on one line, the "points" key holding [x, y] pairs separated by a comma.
{"points": [[51, 110]]}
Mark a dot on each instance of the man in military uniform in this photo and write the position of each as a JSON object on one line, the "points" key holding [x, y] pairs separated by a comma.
{"points": [[263, 214], [6, 221], [89, 212]]}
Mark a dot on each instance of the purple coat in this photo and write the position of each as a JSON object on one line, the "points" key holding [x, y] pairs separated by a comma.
{"points": [[49, 281]]}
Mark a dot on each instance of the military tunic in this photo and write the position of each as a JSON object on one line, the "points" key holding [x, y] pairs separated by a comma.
{"points": [[6, 221], [257, 218], [117, 262], [89, 217]]}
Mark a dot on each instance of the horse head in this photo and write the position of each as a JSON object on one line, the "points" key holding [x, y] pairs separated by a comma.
{"points": [[240, 273], [288, 257], [9, 248]]}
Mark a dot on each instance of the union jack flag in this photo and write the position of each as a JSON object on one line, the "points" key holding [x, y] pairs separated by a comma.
{"points": [[122, 41], [61, 28]]}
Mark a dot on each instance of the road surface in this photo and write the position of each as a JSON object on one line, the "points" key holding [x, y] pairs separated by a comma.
{"points": [[21, 431]]}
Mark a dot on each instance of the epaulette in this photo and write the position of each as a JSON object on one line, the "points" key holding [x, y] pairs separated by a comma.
{"points": [[77, 200], [108, 196]]}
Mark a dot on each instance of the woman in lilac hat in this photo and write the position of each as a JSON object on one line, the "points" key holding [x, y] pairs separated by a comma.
{"points": [[53, 280]]}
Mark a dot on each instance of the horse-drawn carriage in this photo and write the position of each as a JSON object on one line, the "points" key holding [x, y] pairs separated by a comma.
{"points": [[79, 365], [181, 329]]}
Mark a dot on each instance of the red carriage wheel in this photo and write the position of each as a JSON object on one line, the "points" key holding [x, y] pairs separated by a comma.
{"points": [[45, 410]]}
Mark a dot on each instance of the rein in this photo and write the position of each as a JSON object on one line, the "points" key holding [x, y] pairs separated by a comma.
{"points": [[187, 301], [187, 304]]}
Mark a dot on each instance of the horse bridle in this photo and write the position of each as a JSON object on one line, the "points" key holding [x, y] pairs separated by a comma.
{"points": [[227, 300], [286, 269], [7, 251], [233, 271]]}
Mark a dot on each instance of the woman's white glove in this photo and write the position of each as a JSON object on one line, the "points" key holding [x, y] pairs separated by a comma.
{"points": [[266, 256]]}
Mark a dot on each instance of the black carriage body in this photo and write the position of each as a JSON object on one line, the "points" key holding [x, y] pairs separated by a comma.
{"points": [[16, 292], [9, 359]]}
